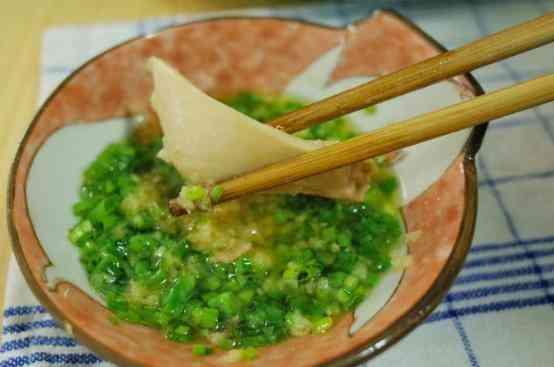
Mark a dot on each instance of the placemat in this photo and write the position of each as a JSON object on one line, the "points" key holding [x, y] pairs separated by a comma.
{"points": [[500, 310]]}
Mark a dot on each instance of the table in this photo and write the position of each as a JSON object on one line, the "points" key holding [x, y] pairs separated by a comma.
{"points": [[22, 23]]}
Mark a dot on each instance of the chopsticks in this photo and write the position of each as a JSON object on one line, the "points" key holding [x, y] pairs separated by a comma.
{"points": [[485, 51], [395, 136], [488, 50]]}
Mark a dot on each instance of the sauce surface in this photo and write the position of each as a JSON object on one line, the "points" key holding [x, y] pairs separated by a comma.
{"points": [[248, 273]]}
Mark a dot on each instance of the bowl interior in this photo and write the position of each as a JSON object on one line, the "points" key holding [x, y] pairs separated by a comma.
{"points": [[224, 57]]}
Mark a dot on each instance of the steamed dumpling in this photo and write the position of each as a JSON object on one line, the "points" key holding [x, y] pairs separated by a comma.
{"points": [[208, 141]]}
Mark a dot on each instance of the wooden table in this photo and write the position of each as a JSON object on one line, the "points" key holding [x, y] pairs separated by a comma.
{"points": [[21, 25]]}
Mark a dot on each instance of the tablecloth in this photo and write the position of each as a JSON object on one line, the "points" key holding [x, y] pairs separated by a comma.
{"points": [[500, 311]]}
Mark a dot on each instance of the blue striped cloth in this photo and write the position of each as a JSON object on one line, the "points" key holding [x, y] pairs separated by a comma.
{"points": [[500, 311]]}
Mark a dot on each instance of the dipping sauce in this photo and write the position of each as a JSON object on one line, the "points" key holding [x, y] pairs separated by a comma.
{"points": [[248, 273]]}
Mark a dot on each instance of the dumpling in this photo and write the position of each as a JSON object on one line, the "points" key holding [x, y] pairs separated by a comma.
{"points": [[208, 141]]}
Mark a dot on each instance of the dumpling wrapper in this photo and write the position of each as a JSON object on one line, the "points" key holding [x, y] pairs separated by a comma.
{"points": [[208, 141]]}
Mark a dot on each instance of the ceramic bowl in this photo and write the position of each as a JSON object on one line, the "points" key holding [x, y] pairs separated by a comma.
{"points": [[223, 57]]}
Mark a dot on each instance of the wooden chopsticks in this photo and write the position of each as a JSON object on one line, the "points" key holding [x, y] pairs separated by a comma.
{"points": [[398, 135], [395, 136], [485, 51]]}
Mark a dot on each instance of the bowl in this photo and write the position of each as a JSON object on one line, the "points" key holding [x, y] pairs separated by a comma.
{"points": [[223, 57]]}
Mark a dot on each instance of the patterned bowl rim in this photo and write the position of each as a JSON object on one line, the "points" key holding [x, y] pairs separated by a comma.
{"points": [[395, 331]]}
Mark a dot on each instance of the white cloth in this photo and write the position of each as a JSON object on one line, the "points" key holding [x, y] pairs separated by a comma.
{"points": [[500, 312]]}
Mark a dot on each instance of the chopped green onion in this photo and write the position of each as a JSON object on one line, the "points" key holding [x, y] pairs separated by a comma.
{"points": [[248, 274], [216, 193], [201, 350]]}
